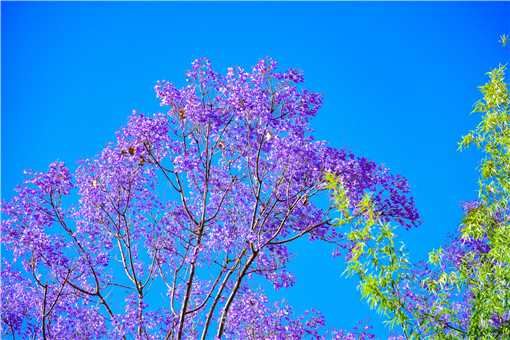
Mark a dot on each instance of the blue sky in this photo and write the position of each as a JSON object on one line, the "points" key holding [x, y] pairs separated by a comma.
{"points": [[398, 79]]}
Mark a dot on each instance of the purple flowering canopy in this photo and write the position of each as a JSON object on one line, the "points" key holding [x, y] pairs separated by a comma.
{"points": [[187, 207]]}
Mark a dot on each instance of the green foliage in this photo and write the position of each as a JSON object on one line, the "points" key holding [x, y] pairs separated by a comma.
{"points": [[483, 271], [487, 274], [503, 40], [373, 257]]}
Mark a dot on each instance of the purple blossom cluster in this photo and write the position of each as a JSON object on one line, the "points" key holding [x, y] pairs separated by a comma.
{"points": [[193, 203]]}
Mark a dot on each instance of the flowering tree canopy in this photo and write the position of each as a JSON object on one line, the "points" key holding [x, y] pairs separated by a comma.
{"points": [[186, 207]]}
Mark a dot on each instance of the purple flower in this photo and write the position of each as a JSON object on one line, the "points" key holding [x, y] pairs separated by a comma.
{"points": [[199, 201]]}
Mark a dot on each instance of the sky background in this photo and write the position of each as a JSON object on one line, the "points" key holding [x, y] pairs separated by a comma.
{"points": [[398, 79]]}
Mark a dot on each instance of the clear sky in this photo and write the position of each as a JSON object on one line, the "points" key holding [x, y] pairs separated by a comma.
{"points": [[398, 79]]}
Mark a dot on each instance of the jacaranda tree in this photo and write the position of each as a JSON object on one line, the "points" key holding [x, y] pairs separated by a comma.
{"points": [[464, 289], [163, 233]]}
